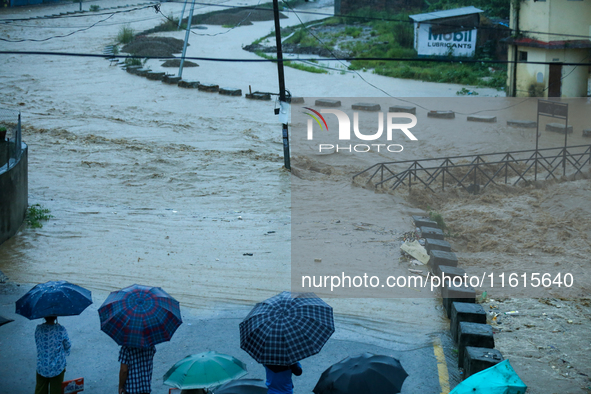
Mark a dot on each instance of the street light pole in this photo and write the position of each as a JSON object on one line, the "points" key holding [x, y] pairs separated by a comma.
{"points": [[186, 39], [282, 98]]}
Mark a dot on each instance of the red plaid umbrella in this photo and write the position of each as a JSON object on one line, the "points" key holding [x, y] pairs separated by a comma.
{"points": [[140, 316]]}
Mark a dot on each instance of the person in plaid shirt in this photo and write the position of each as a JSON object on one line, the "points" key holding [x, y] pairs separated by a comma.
{"points": [[135, 375]]}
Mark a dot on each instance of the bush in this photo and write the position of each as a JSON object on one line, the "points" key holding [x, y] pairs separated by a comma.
{"points": [[94, 8], [125, 35], [36, 213]]}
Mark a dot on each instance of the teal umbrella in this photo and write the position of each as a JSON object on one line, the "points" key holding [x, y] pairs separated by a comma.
{"points": [[204, 370], [498, 379]]}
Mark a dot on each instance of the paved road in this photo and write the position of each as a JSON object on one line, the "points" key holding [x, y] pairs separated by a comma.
{"points": [[94, 354]]}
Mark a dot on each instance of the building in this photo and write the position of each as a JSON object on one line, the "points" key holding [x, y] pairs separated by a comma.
{"points": [[553, 31], [447, 33], [344, 7]]}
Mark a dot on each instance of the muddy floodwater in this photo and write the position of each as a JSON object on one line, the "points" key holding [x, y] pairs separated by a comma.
{"points": [[154, 184]]}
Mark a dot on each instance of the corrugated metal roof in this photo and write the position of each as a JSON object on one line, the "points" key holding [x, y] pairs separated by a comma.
{"points": [[445, 14]]}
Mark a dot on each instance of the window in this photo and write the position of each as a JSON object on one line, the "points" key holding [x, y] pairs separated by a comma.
{"points": [[522, 56]]}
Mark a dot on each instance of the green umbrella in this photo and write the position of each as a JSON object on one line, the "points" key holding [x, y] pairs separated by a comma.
{"points": [[204, 370]]}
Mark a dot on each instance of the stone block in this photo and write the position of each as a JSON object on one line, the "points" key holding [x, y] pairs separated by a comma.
{"points": [[212, 88], [454, 293], [297, 100], [446, 270], [403, 108], [171, 79], [327, 103], [559, 128], [258, 96], [465, 311], [132, 69], [431, 232], [478, 359], [424, 221], [439, 257], [441, 114], [485, 119], [587, 133], [142, 72], [524, 124], [155, 76], [437, 244], [475, 335], [230, 92], [371, 107], [188, 84]]}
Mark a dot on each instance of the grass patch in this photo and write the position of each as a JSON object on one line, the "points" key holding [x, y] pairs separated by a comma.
{"points": [[94, 8], [35, 214], [295, 64], [125, 35], [366, 36], [134, 61], [436, 217]]}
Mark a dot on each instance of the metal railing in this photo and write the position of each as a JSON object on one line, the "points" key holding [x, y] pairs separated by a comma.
{"points": [[475, 172], [11, 143]]}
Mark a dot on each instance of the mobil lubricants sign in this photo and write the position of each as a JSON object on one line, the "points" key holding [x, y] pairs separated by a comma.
{"points": [[449, 32], [457, 43]]}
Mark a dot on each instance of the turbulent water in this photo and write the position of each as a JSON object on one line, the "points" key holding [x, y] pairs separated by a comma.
{"points": [[154, 184]]}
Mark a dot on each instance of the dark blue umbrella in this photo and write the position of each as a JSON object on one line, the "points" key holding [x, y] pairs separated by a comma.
{"points": [[242, 386], [58, 298], [140, 316], [286, 328]]}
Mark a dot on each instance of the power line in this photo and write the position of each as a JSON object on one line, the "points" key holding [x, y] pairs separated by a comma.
{"points": [[82, 15], [238, 60]]}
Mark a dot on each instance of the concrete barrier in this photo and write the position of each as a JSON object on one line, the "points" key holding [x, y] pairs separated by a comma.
{"points": [[453, 293], [587, 133], [230, 92], [403, 108], [370, 107], [258, 96], [14, 197], [524, 124], [171, 79], [155, 76], [188, 84], [478, 359], [424, 221], [212, 88], [437, 244], [465, 311], [559, 128], [297, 100], [475, 335], [485, 119], [327, 103], [431, 232], [441, 114]]}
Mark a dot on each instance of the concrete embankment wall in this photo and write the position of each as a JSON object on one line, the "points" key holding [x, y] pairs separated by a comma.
{"points": [[14, 192]]}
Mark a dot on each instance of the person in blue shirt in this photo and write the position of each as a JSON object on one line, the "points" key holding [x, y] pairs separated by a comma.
{"points": [[53, 345], [279, 378]]}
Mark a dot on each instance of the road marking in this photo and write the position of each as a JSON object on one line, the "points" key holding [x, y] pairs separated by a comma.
{"points": [[441, 366]]}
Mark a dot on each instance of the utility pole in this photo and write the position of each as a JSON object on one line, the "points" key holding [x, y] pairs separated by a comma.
{"points": [[282, 98], [80, 5], [182, 13], [186, 39]]}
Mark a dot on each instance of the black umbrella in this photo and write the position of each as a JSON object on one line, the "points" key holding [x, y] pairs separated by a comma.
{"points": [[242, 386], [286, 328], [4, 320], [366, 373]]}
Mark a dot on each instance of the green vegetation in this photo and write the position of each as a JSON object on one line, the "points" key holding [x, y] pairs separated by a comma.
{"points": [[134, 61], [295, 64], [94, 8], [171, 24], [125, 35], [436, 217], [364, 35], [35, 214]]}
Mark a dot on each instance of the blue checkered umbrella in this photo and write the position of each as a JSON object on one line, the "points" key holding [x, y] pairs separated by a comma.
{"points": [[140, 316], [286, 328], [59, 298]]}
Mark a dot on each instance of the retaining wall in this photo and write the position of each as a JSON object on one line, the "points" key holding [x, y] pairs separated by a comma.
{"points": [[14, 193]]}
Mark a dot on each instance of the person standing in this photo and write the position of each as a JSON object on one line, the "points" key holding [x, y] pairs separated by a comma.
{"points": [[53, 345], [279, 378], [135, 374]]}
